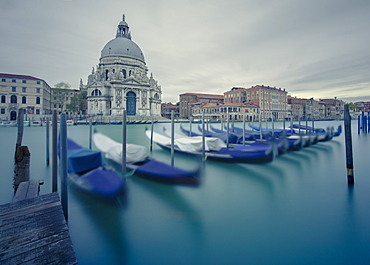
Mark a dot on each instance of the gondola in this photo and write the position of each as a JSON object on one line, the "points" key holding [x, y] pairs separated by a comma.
{"points": [[140, 164], [292, 143], [215, 149], [88, 172], [319, 130], [252, 136]]}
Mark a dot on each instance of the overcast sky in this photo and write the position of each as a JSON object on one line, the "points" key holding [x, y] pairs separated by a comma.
{"points": [[312, 48]]}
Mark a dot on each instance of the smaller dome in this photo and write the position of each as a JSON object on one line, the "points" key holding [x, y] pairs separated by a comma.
{"points": [[122, 47]]}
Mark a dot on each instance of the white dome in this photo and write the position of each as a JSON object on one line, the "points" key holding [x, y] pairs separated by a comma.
{"points": [[122, 46]]}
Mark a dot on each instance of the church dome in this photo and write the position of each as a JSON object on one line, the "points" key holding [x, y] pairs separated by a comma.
{"points": [[121, 46]]}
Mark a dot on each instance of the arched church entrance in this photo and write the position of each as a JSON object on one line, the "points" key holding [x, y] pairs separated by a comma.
{"points": [[131, 103]]}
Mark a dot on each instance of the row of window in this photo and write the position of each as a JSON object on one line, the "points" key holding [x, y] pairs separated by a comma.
{"points": [[15, 81], [24, 89], [14, 99], [62, 98], [3, 111]]}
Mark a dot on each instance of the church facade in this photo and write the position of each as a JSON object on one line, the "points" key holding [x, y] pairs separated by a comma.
{"points": [[120, 80]]}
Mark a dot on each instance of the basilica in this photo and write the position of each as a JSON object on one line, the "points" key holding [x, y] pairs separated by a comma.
{"points": [[120, 80]]}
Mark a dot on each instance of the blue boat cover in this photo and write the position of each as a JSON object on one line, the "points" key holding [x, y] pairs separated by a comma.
{"points": [[258, 146], [241, 153], [160, 169], [82, 159], [104, 182]]}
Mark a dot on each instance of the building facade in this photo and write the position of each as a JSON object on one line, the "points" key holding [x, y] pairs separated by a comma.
{"points": [[120, 80], [226, 111], [167, 109], [334, 108], [61, 98], [323, 109], [23, 91], [362, 105], [272, 101], [187, 98]]}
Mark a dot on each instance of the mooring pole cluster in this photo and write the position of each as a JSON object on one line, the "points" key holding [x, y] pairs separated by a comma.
{"points": [[363, 123]]}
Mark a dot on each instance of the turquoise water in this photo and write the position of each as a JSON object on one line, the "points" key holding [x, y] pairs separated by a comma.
{"points": [[296, 210]]}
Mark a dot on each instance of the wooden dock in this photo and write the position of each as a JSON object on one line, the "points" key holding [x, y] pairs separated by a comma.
{"points": [[33, 230]]}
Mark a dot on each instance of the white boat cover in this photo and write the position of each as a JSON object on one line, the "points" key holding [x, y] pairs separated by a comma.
{"points": [[113, 149], [189, 144]]}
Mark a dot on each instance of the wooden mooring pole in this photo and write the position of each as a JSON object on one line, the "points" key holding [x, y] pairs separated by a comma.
{"points": [[54, 150], [22, 155], [172, 138], [348, 140], [63, 165], [47, 142], [124, 143]]}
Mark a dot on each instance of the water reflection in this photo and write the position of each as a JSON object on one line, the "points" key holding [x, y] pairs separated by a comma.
{"points": [[107, 220], [169, 195], [243, 172]]}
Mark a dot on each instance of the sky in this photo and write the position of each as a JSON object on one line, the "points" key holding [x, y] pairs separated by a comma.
{"points": [[311, 48]]}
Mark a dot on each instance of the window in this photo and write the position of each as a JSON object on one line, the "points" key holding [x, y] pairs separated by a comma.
{"points": [[14, 81], [2, 99], [2, 111], [37, 90], [24, 101], [24, 81], [14, 89], [13, 99], [3, 80], [37, 111], [37, 100], [38, 82], [24, 89], [96, 92]]}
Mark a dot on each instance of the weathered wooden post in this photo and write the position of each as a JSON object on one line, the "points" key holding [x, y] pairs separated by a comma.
{"points": [[124, 140], [244, 129], [63, 164], [90, 133], [190, 126], [228, 128], [358, 124], [260, 124], [54, 185], [22, 155], [172, 138], [348, 139], [203, 140], [233, 123], [20, 124], [222, 122], [47, 141], [151, 136]]}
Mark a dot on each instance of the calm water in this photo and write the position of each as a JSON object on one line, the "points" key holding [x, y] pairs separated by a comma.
{"points": [[296, 210]]}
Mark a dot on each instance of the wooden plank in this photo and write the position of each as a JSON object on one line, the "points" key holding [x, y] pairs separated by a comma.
{"points": [[27, 190], [33, 189], [14, 216], [20, 206], [34, 231], [32, 221], [21, 191]]}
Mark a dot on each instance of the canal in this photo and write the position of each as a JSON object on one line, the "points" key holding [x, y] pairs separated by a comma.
{"points": [[296, 210]]}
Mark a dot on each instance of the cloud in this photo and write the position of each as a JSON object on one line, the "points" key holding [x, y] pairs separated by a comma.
{"points": [[311, 48]]}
